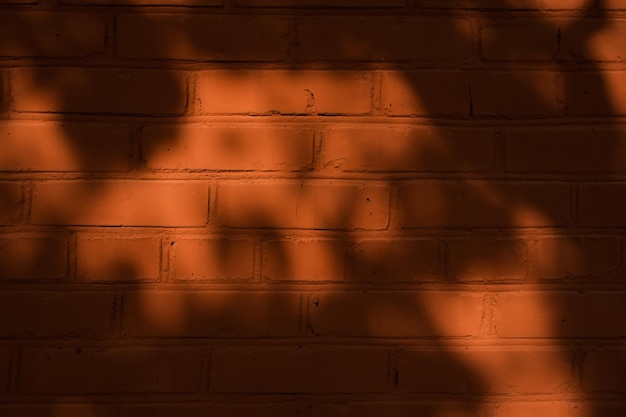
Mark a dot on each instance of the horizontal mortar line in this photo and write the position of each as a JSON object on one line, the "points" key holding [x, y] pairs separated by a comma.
{"points": [[391, 179], [308, 288], [315, 121], [314, 11], [264, 234], [223, 397], [100, 60], [391, 397], [428, 343], [356, 235]]}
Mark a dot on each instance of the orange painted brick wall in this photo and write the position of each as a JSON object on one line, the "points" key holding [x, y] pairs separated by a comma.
{"points": [[312, 208]]}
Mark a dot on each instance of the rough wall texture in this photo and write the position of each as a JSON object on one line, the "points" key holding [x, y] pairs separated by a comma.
{"points": [[312, 208]]}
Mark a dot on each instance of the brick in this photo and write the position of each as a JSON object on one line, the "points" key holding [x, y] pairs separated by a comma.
{"points": [[559, 314], [602, 371], [559, 409], [519, 40], [321, 3], [239, 148], [5, 369], [449, 408], [316, 260], [113, 259], [284, 92], [58, 410], [602, 205], [303, 205], [203, 410], [32, 34], [35, 146], [202, 3], [563, 257], [110, 371], [197, 259], [210, 314], [595, 93], [484, 370], [56, 314], [33, 257], [121, 202], [408, 149], [513, 94], [375, 38], [396, 314], [11, 202], [402, 260], [565, 150], [426, 93], [508, 5], [483, 204], [594, 39], [298, 370], [202, 37], [487, 259], [5, 102], [88, 90]]}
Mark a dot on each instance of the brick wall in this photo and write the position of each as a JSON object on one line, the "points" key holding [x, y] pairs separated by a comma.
{"points": [[312, 208]]}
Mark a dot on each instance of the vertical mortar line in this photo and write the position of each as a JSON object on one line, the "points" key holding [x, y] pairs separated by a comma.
{"points": [[205, 373], [257, 260], [393, 223], [110, 46], [8, 100], [578, 361], [620, 253], [213, 221], [188, 88], [14, 370], [500, 151], [163, 264], [136, 160], [303, 315], [486, 325], [395, 357], [168, 250], [110, 31], [318, 148], [306, 299], [559, 95], [476, 55], [349, 271], [574, 204], [293, 57], [211, 205], [376, 104], [193, 104], [27, 194], [118, 313], [442, 252], [392, 369], [72, 253], [4, 94], [489, 327], [532, 261]]}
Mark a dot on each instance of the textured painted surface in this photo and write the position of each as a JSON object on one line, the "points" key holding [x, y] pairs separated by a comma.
{"points": [[312, 208]]}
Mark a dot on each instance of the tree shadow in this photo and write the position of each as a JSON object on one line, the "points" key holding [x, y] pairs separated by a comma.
{"points": [[405, 260]]}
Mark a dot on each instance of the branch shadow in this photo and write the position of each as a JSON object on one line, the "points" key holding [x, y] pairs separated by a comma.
{"points": [[332, 303]]}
